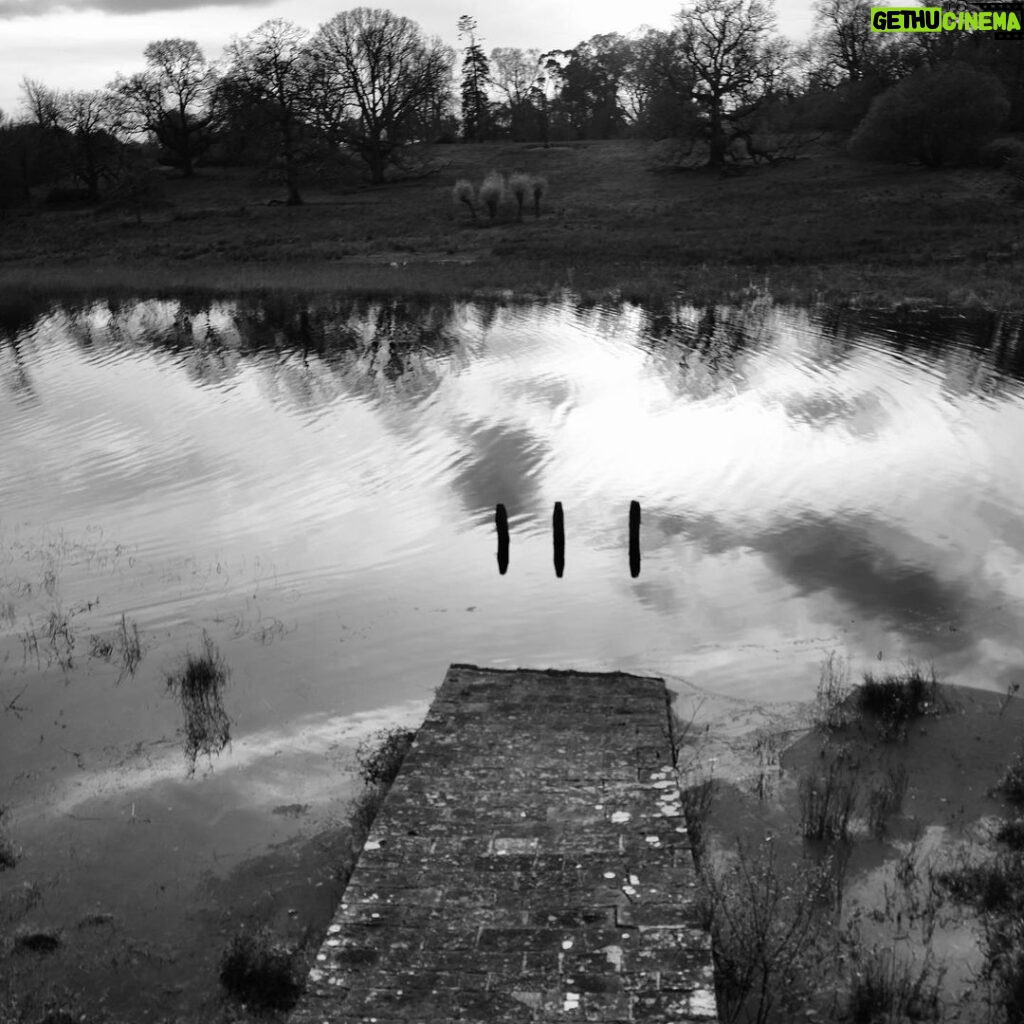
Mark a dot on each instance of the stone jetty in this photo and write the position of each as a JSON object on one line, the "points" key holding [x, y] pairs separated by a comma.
{"points": [[531, 863]]}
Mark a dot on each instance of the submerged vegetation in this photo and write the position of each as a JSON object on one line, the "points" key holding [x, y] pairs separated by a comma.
{"points": [[123, 644], [797, 887], [257, 967], [198, 685]]}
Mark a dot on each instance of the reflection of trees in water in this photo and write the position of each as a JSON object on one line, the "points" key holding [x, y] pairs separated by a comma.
{"points": [[976, 346], [305, 350], [700, 350], [18, 318]]}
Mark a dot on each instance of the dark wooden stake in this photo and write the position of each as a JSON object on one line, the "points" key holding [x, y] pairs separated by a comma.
{"points": [[501, 522], [634, 539], [558, 529]]}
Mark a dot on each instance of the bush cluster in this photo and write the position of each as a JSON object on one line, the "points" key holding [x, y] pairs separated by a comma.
{"points": [[497, 189]]}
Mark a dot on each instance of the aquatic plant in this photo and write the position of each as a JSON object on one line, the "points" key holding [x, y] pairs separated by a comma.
{"points": [[827, 800], [832, 710], [885, 798], [198, 686], [894, 700], [124, 642], [462, 192], [520, 185], [888, 987], [492, 191]]}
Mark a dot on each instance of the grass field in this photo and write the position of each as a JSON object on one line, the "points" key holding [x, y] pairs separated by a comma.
{"points": [[822, 228]]}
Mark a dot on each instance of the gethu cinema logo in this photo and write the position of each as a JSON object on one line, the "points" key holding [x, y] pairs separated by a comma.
{"points": [[935, 19]]}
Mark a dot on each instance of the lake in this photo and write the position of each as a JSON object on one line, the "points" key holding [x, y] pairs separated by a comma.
{"points": [[312, 486]]}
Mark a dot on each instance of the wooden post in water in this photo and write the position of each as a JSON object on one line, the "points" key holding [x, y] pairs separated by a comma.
{"points": [[634, 539], [501, 522], [558, 529]]}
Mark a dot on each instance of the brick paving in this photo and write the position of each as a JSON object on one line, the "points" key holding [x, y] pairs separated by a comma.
{"points": [[530, 863]]}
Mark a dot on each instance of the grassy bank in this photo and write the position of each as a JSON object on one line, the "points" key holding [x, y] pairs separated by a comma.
{"points": [[823, 228]]}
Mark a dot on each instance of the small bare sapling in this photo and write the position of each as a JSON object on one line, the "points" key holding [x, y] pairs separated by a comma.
{"points": [[462, 192], [520, 185], [540, 188], [492, 191]]}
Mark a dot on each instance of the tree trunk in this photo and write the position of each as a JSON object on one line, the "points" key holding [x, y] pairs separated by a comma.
{"points": [[290, 170]]}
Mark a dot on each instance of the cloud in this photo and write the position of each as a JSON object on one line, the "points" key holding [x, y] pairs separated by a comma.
{"points": [[10, 9]]}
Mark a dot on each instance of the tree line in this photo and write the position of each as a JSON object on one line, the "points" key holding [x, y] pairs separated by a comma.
{"points": [[369, 87]]}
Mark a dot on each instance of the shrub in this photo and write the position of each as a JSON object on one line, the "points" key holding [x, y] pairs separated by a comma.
{"points": [[462, 192], [937, 115], [999, 152], [492, 191], [540, 188], [764, 927], [259, 970], [520, 185]]}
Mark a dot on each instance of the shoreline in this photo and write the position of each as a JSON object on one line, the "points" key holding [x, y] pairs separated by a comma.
{"points": [[849, 286]]}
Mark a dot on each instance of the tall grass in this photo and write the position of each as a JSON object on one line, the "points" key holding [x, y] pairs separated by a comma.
{"points": [[828, 799], [894, 699], [831, 711], [887, 987]]}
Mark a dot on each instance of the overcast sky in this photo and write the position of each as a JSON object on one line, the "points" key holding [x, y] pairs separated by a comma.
{"points": [[84, 43]]}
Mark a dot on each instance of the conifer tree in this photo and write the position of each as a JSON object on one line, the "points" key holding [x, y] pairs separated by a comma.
{"points": [[476, 73]]}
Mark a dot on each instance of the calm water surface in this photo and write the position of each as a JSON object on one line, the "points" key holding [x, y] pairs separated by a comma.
{"points": [[314, 488]]}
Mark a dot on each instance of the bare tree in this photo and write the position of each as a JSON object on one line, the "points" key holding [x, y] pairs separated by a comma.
{"points": [[517, 75], [846, 43], [273, 65], [736, 60], [77, 132], [174, 99], [372, 79], [41, 102]]}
